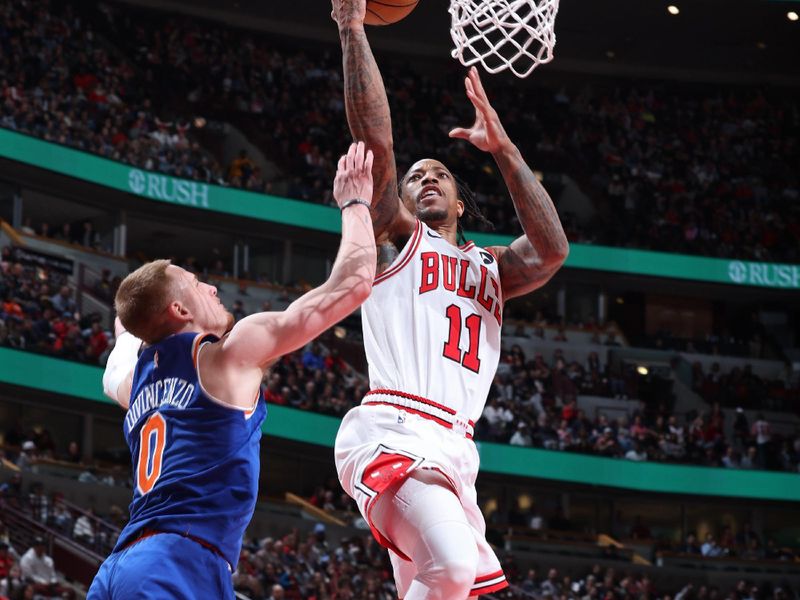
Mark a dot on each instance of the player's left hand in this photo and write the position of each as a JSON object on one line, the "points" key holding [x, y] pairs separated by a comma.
{"points": [[487, 133]]}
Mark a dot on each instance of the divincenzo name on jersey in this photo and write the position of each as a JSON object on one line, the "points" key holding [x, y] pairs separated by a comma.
{"points": [[171, 391]]}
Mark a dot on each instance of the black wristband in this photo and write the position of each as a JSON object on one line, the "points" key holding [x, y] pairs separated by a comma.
{"points": [[355, 201]]}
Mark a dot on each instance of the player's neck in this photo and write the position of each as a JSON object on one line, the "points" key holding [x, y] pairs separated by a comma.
{"points": [[191, 327], [448, 231]]}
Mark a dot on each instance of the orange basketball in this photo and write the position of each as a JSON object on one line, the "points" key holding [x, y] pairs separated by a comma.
{"points": [[386, 12]]}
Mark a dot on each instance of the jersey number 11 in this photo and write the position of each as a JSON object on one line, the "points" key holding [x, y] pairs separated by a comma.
{"points": [[452, 347]]}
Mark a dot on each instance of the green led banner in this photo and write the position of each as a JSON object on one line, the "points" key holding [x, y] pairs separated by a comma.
{"points": [[84, 381], [193, 194]]}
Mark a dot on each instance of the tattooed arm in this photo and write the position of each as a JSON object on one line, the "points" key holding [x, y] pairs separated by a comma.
{"points": [[531, 260], [369, 117]]}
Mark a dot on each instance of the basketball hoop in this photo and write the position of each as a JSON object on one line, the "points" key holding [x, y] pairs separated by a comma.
{"points": [[518, 35]]}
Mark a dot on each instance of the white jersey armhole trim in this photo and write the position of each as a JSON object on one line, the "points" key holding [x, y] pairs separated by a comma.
{"points": [[196, 352]]}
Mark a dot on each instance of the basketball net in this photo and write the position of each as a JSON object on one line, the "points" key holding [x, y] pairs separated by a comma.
{"points": [[518, 35]]}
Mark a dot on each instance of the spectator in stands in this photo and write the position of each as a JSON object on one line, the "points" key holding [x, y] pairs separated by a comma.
{"points": [[750, 460], [752, 550], [277, 592], [27, 455], [710, 547], [675, 196], [88, 236], [637, 453], [62, 301], [691, 546], [97, 342], [551, 585], [74, 453], [241, 168], [731, 459], [6, 560], [62, 517], [13, 585], [39, 503], [84, 528], [38, 568], [312, 358], [522, 436], [762, 434]]}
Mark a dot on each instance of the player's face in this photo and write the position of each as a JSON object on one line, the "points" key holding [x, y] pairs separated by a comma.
{"points": [[201, 299], [430, 192]]}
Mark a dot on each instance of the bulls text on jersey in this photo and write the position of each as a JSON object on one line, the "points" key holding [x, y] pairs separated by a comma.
{"points": [[441, 271]]}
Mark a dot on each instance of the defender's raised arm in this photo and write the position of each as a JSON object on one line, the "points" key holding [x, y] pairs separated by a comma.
{"points": [[259, 339], [175, 301]]}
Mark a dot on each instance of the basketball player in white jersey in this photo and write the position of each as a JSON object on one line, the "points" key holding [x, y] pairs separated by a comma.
{"points": [[432, 338]]}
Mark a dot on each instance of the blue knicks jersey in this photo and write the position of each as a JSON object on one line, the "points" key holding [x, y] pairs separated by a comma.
{"points": [[195, 460]]}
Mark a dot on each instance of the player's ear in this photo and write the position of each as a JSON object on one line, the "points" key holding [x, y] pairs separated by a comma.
{"points": [[459, 208], [178, 311]]}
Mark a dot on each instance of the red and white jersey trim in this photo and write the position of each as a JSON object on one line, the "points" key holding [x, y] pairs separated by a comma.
{"points": [[443, 415], [486, 584], [404, 257]]}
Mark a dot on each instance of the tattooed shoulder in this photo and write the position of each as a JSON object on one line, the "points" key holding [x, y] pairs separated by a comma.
{"points": [[387, 253]]}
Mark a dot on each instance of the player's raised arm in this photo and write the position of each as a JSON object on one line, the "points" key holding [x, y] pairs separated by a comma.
{"points": [[257, 340], [532, 259], [368, 110]]}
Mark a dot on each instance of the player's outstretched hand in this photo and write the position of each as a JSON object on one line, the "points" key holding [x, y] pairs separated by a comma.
{"points": [[487, 133], [348, 12], [354, 175]]}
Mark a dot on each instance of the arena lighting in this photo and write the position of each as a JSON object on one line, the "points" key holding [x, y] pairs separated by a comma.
{"points": [[673, 10], [642, 370], [792, 16]]}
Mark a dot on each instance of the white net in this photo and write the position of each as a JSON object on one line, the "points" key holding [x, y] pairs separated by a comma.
{"points": [[518, 35]]}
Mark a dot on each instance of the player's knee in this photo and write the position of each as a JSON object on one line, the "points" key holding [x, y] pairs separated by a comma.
{"points": [[457, 574]]}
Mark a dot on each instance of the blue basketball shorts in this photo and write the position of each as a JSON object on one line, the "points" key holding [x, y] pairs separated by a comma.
{"points": [[165, 565]]}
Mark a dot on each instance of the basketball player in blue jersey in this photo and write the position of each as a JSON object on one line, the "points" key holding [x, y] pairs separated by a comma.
{"points": [[194, 408]]}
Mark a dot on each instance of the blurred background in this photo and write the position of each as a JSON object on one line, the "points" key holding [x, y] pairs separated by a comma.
{"points": [[642, 436]]}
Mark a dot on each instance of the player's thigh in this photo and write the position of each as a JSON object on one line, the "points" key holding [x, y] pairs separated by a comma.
{"points": [[409, 508], [99, 590], [170, 566]]}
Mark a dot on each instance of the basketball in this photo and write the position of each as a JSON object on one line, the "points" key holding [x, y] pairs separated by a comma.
{"points": [[386, 12]]}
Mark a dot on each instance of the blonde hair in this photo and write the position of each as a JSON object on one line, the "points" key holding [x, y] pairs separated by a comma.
{"points": [[141, 300]]}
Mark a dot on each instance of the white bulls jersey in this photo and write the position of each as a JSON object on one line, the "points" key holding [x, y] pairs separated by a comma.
{"points": [[432, 324]]}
